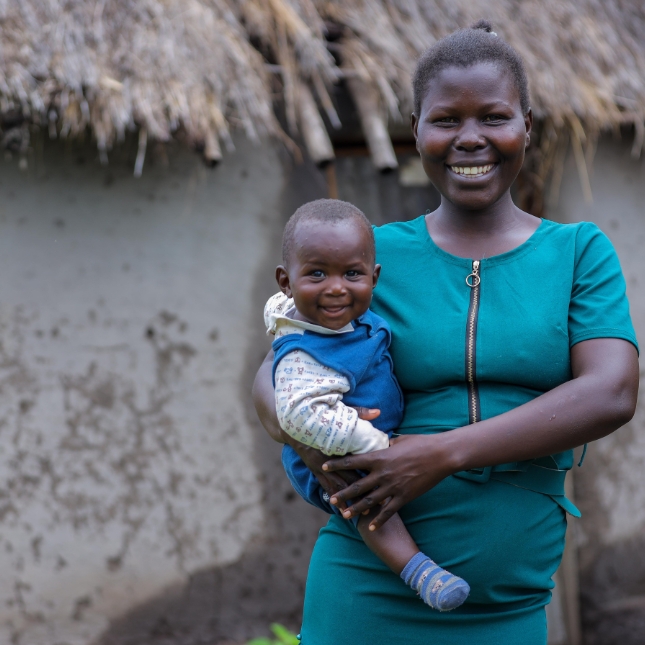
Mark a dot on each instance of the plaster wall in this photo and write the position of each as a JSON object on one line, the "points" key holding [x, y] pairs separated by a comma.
{"points": [[128, 456], [610, 487]]}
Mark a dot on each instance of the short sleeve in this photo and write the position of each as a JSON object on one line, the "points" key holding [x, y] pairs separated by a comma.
{"points": [[599, 307]]}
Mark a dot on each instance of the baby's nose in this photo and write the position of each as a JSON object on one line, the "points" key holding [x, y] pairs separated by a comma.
{"points": [[336, 286]]}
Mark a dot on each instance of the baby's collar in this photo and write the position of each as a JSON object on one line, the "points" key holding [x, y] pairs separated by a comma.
{"points": [[285, 319]]}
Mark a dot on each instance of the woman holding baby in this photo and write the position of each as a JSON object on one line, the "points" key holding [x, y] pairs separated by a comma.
{"points": [[512, 343]]}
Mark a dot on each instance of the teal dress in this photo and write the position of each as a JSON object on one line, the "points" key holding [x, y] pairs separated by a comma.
{"points": [[464, 352]]}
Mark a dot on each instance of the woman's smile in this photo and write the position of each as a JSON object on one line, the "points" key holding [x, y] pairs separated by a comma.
{"points": [[472, 172]]}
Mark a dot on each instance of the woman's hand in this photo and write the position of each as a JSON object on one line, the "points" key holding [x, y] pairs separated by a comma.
{"points": [[599, 398], [412, 465], [332, 482]]}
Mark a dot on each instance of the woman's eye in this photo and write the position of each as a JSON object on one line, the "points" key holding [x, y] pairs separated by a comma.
{"points": [[494, 118]]}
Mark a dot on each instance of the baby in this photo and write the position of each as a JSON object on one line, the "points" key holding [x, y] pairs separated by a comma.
{"points": [[331, 353]]}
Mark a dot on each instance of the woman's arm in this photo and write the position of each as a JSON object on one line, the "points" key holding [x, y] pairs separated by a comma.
{"points": [[599, 399], [264, 401]]}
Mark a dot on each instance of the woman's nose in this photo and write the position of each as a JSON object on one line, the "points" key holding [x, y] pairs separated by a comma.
{"points": [[469, 138]]}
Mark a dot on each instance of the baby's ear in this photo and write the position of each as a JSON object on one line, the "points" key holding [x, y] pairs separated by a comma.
{"points": [[282, 278], [376, 274]]}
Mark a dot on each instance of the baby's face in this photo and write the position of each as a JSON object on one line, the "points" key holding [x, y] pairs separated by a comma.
{"points": [[331, 272]]}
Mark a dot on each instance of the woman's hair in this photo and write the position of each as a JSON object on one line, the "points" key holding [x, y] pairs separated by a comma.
{"points": [[330, 211], [466, 47]]}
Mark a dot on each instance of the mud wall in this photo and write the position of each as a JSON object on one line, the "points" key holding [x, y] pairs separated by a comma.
{"points": [[133, 477], [610, 487]]}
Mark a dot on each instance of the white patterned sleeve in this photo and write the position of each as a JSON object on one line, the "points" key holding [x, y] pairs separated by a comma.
{"points": [[310, 408]]}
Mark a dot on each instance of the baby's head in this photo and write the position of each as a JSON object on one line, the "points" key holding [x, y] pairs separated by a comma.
{"points": [[328, 257]]}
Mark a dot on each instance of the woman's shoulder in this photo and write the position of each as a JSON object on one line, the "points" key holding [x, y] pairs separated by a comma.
{"points": [[394, 230], [397, 235], [578, 236], [578, 230]]}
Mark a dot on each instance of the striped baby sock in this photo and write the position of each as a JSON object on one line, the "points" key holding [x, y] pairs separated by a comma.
{"points": [[436, 586]]}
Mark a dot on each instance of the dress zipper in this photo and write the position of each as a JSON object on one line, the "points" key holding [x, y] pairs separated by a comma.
{"points": [[473, 280]]}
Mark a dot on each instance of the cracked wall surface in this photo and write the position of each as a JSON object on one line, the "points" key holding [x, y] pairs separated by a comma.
{"points": [[126, 445], [610, 487]]}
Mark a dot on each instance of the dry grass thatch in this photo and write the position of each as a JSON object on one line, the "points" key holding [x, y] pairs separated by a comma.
{"points": [[209, 66]]}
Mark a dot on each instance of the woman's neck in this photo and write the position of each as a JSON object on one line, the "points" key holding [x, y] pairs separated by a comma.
{"points": [[490, 231]]}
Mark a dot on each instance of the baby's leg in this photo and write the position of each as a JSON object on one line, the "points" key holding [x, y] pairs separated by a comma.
{"points": [[395, 547], [392, 543]]}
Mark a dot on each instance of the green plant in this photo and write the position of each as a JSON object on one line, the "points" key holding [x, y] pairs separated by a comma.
{"points": [[282, 637]]}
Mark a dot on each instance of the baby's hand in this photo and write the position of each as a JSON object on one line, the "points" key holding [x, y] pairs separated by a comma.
{"points": [[368, 414]]}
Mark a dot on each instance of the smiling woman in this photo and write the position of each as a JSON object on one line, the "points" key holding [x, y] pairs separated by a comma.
{"points": [[472, 133], [504, 370]]}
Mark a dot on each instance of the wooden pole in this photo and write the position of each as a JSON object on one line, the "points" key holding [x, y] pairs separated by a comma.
{"points": [[212, 150], [373, 123], [570, 578], [313, 128], [332, 183]]}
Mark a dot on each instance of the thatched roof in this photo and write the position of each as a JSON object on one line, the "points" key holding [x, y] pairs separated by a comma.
{"points": [[206, 67]]}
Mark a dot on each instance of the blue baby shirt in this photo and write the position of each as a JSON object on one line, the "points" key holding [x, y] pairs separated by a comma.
{"points": [[362, 356]]}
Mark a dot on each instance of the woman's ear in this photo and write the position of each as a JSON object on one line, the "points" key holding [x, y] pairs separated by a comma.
{"points": [[414, 124], [528, 124], [282, 278]]}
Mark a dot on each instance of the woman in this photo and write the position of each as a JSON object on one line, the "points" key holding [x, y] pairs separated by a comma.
{"points": [[513, 344]]}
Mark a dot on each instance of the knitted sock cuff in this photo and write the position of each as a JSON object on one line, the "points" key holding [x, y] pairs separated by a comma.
{"points": [[410, 568]]}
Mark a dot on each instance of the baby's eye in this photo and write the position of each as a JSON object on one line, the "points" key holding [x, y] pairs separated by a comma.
{"points": [[353, 273], [317, 274], [446, 120]]}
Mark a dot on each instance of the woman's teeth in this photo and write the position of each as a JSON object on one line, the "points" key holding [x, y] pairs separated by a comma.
{"points": [[472, 171]]}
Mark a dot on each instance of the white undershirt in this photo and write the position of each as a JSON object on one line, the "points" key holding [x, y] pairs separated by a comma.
{"points": [[309, 394]]}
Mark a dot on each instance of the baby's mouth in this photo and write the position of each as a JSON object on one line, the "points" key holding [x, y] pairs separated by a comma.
{"points": [[334, 309], [472, 172]]}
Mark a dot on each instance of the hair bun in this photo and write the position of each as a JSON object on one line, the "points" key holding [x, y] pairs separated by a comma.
{"points": [[484, 25]]}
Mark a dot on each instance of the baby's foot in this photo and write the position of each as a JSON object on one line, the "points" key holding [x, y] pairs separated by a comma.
{"points": [[437, 587]]}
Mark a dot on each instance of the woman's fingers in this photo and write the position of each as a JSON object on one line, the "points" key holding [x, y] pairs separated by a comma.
{"points": [[370, 500], [412, 465], [388, 509], [363, 494], [349, 462]]}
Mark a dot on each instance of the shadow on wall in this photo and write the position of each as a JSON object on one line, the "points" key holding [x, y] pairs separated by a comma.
{"points": [[613, 595], [238, 601]]}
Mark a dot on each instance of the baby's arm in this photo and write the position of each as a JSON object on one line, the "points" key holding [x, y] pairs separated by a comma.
{"points": [[310, 408]]}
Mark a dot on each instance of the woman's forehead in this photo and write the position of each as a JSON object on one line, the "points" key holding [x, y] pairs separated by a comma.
{"points": [[481, 83]]}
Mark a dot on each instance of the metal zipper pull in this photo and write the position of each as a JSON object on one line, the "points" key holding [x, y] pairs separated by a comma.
{"points": [[473, 279]]}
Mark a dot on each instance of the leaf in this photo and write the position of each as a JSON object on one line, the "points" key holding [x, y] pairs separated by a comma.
{"points": [[285, 637]]}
